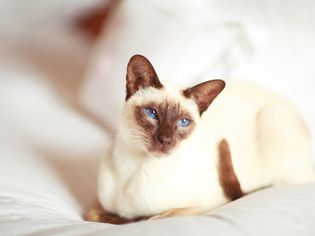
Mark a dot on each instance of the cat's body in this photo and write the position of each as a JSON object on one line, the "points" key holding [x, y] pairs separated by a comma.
{"points": [[146, 174]]}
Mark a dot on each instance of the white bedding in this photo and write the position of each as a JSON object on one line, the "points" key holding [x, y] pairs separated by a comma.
{"points": [[49, 153]]}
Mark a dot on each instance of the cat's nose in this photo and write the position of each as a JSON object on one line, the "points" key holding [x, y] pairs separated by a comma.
{"points": [[165, 139]]}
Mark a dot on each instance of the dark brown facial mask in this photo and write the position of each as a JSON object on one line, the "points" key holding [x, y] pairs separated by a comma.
{"points": [[163, 133]]}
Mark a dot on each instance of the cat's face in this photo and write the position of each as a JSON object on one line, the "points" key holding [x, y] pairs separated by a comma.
{"points": [[160, 116], [164, 124]]}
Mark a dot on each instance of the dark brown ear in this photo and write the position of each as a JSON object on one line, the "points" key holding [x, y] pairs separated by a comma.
{"points": [[203, 94], [140, 74]]}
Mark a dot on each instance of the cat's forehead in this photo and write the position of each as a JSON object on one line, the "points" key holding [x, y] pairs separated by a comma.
{"points": [[165, 98]]}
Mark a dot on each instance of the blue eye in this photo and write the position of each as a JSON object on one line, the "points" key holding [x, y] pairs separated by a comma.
{"points": [[183, 122], [151, 113]]}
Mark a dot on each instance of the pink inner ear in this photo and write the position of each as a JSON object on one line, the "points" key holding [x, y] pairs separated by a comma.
{"points": [[204, 94]]}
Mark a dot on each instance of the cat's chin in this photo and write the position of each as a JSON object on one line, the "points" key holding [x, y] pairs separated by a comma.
{"points": [[160, 153]]}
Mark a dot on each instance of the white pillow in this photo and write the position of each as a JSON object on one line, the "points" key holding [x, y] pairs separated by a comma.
{"points": [[270, 42], [180, 50]]}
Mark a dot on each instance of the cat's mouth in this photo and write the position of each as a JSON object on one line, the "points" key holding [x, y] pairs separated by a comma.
{"points": [[161, 150]]}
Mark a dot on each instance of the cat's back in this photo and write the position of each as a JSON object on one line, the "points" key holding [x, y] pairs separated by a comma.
{"points": [[244, 114], [237, 106], [239, 94]]}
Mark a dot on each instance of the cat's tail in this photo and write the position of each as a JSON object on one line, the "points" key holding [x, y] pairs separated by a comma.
{"points": [[228, 179]]}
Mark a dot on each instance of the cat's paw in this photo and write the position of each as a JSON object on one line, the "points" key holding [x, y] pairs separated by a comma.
{"points": [[95, 215], [100, 215], [177, 212]]}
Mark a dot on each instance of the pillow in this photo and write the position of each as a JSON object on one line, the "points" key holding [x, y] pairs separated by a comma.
{"points": [[180, 50], [268, 42]]}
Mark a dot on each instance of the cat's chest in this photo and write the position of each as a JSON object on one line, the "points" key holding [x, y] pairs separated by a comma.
{"points": [[158, 184]]}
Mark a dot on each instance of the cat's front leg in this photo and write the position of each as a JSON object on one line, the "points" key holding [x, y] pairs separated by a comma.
{"points": [[98, 214]]}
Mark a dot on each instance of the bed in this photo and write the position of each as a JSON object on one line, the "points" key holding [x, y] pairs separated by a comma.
{"points": [[49, 153]]}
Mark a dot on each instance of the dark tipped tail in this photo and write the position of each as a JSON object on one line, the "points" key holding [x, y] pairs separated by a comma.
{"points": [[228, 179]]}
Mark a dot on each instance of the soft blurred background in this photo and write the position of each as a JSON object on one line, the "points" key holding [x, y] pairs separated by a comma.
{"points": [[63, 65]]}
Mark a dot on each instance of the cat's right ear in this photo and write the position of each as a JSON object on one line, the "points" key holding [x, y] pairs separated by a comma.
{"points": [[140, 74], [203, 94]]}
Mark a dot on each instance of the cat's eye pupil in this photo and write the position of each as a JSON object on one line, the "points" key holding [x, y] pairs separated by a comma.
{"points": [[150, 113], [183, 122]]}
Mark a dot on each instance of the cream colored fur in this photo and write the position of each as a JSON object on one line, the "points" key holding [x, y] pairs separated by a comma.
{"points": [[269, 143]]}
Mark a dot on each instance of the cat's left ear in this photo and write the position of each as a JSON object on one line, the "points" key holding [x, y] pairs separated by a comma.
{"points": [[203, 94], [140, 74]]}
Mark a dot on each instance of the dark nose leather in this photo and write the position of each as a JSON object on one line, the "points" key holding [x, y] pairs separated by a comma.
{"points": [[164, 139], [166, 135]]}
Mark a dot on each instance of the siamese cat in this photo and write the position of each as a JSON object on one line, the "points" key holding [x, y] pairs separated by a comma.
{"points": [[185, 151]]}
